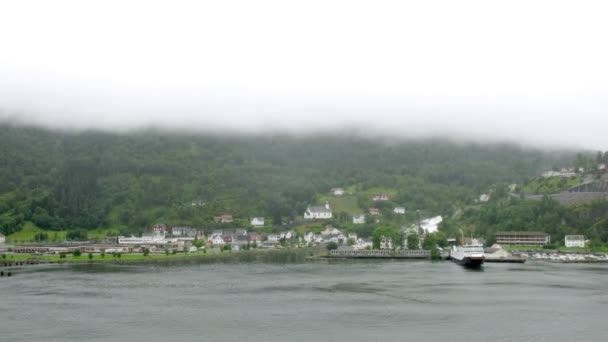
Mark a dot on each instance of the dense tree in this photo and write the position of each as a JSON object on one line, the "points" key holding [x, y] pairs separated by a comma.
{"points": [[413, 241], [62, 180], [331, 246]]}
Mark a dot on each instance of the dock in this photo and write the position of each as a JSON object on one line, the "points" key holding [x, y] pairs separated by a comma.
{"points": [[381, 254]]}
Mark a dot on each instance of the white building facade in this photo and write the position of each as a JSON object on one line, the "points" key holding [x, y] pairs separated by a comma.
{"points": [[257, 221], [318, 212], [574, 240], [359, 219]]}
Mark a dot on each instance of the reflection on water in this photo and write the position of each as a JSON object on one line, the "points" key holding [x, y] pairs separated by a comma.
{"points": [[324, 301]]}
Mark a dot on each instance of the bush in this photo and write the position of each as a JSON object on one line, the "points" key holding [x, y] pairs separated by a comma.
{"points": [[62, 256], [331, 246], [77, 235], [90, 256], [77, 253], [146, 251], [4, 256], [103, 255]]}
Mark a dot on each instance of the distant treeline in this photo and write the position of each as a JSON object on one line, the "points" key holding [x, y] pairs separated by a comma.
{"points": [[89, 180]]}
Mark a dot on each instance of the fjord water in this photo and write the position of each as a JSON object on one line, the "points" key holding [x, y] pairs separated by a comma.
{"points": [[316, 301]]}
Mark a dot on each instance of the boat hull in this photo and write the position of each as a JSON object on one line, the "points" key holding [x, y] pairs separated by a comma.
{"points": [[469, 262]]}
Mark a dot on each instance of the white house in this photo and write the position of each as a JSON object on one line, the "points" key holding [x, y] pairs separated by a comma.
{"points": [[257, 221], [216, 239], [309, 237], [198, 203], [287, 235], [318, 212], [337, 238], [337, 191], [273, 238], [484, 198], [362, 244], [399, 210], [352, 236], [2, 238], [359, 219], [146, 238], [574, 240], [380, 197], [330, 231], [223, 218]]}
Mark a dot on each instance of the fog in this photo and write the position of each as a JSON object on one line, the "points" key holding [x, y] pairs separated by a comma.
{"points": [[522, 71]]}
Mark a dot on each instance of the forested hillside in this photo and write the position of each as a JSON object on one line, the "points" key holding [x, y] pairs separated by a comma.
{"points": [[89, 180]]}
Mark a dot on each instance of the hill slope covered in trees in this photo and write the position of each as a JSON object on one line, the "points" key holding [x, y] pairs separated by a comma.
{"points": [[87, 180]]}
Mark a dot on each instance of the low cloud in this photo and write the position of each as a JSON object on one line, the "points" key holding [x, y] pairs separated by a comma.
{"points": [[381, 68]]}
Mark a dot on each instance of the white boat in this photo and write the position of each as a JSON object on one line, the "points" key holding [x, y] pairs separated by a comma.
{"points": [[468, 255]]}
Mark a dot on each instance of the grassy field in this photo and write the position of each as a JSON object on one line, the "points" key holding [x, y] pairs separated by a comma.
{"points": [[551, 184], [347, 204], [29, 231]]}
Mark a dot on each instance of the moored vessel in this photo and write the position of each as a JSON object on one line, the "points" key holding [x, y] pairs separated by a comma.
{"points": [[470, 255]]}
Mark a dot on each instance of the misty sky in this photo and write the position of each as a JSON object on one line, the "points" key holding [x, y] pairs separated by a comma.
{"points": [[533, 71]]}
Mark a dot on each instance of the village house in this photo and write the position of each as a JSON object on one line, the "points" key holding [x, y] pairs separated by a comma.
{"points": [[484, 198], [337, 191], [223, 218], [361, 244], [183, 231], [386, 243], [2, 238], [229, 237], [380, 197], [352, 236], [309, 237], [287, 235], [564, 172], [154, 237], [399, 210], [574, 240], [255, 237], [359, 219], [241, 240], [329, 230], [337, 238], [523, 238], [159, 228], [216, 239], [273, 238], [257, 221], [374, 211], [198, 203], [318, 212]]}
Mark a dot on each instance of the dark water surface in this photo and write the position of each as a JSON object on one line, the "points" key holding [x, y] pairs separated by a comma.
{"points": [[337, 301]]}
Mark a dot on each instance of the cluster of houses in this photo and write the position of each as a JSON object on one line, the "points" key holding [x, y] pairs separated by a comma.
{"points": [[567, 172], [324, 212], [238, 237]]}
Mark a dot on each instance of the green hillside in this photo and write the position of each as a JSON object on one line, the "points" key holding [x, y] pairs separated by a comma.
{"points": [[64, 181]]}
